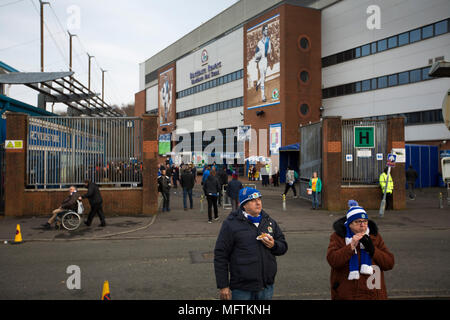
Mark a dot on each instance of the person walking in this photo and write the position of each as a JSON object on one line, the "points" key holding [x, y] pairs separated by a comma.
{"points": [[211, 187], [164, 187], [245, 252], [290, 182], [187, 183], [95, 201], [275, 177], [316, 186], [233, 188], [388, 189], [411, 177], [358, 258]]}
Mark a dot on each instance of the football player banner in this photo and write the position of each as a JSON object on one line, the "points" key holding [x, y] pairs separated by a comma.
{"points": [[166, 104], [263, 63]]}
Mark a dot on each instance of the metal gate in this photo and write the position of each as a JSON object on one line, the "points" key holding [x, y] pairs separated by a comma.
{"points": [[310, 157], [366, 164], [64, 151]]}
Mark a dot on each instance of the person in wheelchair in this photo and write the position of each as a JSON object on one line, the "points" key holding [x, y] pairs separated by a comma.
{"points": [[69, 204]]}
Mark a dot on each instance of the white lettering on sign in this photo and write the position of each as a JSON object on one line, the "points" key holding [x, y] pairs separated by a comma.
{"points": [[44, 136]]}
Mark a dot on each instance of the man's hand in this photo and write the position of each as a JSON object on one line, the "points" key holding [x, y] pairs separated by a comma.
{"points": [[225, 294], [268, 241]]}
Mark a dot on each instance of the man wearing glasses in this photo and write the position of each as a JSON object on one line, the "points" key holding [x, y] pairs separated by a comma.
{"points": [[358, 256], [246, 249]]}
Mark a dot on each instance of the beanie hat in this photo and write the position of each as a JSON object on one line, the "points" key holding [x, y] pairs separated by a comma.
{"points": [[247, 194], [354, 213]]}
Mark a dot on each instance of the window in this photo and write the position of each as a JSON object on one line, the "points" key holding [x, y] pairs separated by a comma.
{"points": [[233, 76], [382, 45], [340, 91], [441, 27], [427, 32], [304, 76], [392, 80], [304, 43], [425, 75], [304, 109], [414, 75], [382, 82], [374, 84], [403, 77], [392, 42], [373, 47], [358, 87], [349, 88], [357, 52], [365, 85], [414, 35], [365, 50], [403, 39]]}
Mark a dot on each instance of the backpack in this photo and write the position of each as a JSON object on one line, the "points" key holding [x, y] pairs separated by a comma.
{"points": [[295, 175]]}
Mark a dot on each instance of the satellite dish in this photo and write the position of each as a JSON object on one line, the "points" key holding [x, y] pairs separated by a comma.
{"points": [[446, 109]]}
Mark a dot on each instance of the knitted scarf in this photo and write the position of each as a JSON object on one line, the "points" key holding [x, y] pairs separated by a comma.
{"points": [[366, 261]]}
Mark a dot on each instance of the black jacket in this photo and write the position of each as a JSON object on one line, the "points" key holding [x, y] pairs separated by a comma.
{"points": [[241, 261], [70, 202], [93, 194], [187, 179], [211, 185], [223, 178], [411, 175], [164, 184], [233, 188]]}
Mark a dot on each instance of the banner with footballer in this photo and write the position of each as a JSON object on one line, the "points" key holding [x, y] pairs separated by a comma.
{"points": [[166, 89], [263, 63]]}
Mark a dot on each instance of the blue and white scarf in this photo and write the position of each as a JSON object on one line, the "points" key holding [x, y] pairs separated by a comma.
{"points": [[366, 261]]}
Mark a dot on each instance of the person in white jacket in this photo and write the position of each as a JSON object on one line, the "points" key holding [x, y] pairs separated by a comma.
{"points": [[290, 182]]}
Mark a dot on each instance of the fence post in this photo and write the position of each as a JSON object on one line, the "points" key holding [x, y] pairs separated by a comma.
{"points": [[16, 164], [150, 164]]}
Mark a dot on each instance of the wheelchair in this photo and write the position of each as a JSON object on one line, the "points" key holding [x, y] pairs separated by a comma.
{"points": [[70, 220]]}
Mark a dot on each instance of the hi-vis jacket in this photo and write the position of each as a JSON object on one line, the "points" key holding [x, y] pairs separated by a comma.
{"points": [[390, 186]]}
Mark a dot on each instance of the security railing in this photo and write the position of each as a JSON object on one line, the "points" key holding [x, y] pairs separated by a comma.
{"points": [[363, 165], [64, 151]]}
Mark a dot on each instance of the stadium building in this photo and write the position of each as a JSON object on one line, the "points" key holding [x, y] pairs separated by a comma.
{"points": [[264, 68]]}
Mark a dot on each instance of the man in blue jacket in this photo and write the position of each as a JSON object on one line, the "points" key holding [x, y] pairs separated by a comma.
{"points": [[246, 249]]}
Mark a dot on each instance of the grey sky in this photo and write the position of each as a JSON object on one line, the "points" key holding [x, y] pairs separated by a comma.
{"points": [[120, 34]]}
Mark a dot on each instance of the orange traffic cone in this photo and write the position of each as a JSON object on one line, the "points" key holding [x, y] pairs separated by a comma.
{"points": [[18, 237], [105, 293]]}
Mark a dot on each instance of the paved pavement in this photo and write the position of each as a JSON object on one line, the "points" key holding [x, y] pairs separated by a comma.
{"points": [[418, 236], [422, 213]]}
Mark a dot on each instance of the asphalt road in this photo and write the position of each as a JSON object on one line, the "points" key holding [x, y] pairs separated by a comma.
{"points": [[181, 267]]}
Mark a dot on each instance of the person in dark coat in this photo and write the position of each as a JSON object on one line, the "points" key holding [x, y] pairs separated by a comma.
{"points": [[211, 187], [246, 249], [164, 187], [411, 177], [68, 204], [358, 258], [233, 188], [95, 201], [187, 183]]}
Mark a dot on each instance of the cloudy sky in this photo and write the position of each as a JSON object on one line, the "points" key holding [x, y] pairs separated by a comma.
{"points": [[119, 34]]}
